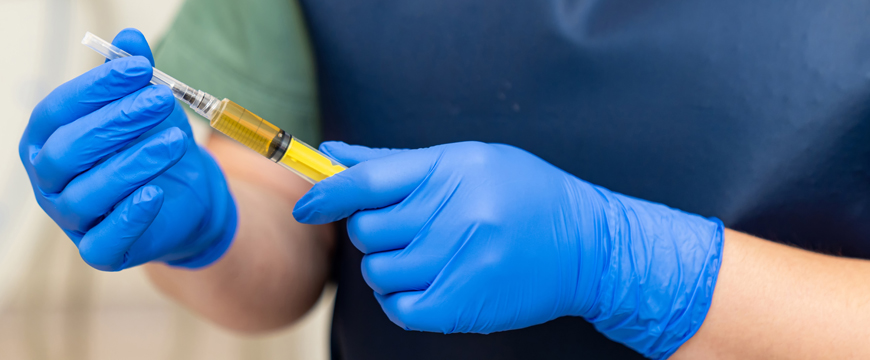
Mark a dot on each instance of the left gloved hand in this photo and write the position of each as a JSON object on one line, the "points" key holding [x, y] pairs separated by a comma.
{"points": [[112, 161], [473, 237]]}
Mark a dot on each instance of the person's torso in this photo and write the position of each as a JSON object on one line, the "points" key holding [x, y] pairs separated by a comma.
{"points": [[753, 112]]}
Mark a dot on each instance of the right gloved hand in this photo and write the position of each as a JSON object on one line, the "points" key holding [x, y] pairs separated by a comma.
{"points": [[112, 161], [478, 238]]}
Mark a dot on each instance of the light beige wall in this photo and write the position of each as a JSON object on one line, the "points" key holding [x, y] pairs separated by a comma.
{"points": [[52, 306]]}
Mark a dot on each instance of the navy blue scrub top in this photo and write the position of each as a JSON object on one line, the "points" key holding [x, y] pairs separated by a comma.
{"points": [[755, 112]]}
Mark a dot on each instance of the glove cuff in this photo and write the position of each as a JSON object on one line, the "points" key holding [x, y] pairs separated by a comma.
{"points": [[662, 270]]}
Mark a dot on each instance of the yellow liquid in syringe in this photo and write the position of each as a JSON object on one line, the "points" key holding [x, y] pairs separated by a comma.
{"points": [[309, 162], [272, 142]]}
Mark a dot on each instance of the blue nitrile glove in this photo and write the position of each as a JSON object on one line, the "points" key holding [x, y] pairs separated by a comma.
{"points": [[473, 237], [113, 162]]}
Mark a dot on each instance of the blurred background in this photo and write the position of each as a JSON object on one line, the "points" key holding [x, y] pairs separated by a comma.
{"points": [[52, 305]]}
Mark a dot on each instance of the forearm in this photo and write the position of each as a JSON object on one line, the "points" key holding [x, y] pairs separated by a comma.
{"points": [[774, 301], [275, 269]]}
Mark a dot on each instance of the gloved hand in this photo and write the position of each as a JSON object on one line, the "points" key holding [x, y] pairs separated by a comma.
{"points": [[473, 237], [113, 162]]}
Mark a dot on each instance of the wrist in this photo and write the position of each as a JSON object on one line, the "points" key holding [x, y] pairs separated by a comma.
{"points": [[594, 244], [660, 269], [219, 230]]}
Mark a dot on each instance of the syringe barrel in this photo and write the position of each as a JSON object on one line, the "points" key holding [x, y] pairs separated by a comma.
{"points": [[270, 141], [247, 128]]}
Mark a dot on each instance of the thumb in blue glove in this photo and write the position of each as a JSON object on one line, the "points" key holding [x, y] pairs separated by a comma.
{"points": [[112, 161], [473, 237]]}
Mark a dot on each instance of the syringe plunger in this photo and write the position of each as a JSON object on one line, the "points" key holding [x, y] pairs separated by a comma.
{"points": [[201, 102]]}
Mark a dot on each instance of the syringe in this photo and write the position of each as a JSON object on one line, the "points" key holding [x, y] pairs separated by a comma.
{"points": [[239, 123]]}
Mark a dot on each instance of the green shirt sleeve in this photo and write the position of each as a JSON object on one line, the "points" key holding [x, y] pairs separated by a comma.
{"points": [[253, 52]]}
